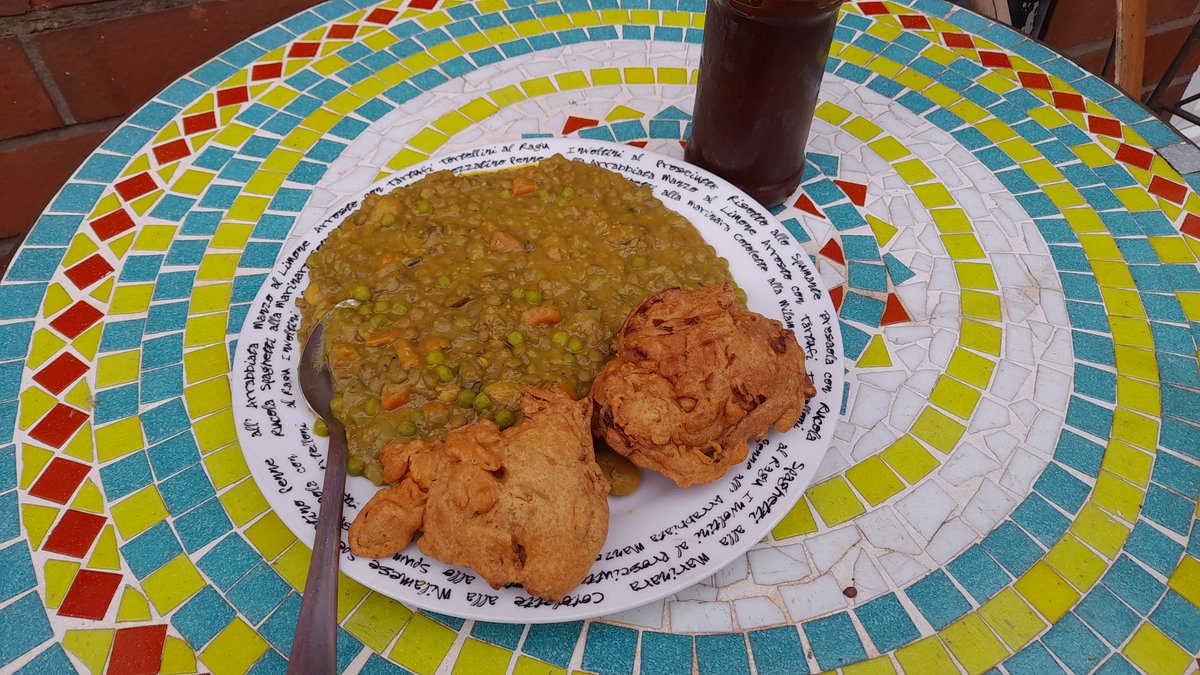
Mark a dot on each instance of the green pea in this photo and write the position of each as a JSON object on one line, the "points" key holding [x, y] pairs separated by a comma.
{"points": [[481, 402], [517, 293], [638, 262], [443, 281], [568, 192], [466, 398], [444, 374], [387, 219], [364, 309], [424, 206], [399, 309], [575, 344], [568, 359], [561, 338], [380, 320], [371, 406], [533, 297], [506, 193], [406, 428], [505, 418], [362, 293], [382, 306], [516, 338], [543, 193], [355, 466], [434, 358], [320, 428], [335, 403]]}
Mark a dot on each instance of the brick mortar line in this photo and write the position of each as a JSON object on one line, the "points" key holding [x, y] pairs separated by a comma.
{"points": [[47, 79], [61, 133], [38, 21]]}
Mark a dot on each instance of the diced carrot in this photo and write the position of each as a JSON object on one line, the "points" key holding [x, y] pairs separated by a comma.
{"points": [[383, 337], [385, 258], [505, 241], [341, 354], [523, 186], [393, 396], [406, 355], [542, 314]]}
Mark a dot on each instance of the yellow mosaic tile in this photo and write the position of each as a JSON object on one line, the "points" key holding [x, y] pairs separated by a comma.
{"points": [[103, 291], [58, 575], [975, 275], [178, 658], [1172, 250], [104, 553], [482, 108], [1122, 302], [980, 305], [118, 439], [377, 621], [834, 501], [138, 512], [910, 459], [34, 404], [528, 666], [1134, 429], [938, 430], [1144, 397], [972, 368], [131, 299], [955, 397], [480, 658], [91, 647], [192, 182], [206, 362], [1048, 592], [1099, 530], [292, 565], [350, 594], [875, 355], [226, 466], [422, 645], [56, 299], [36, 521], [89, 498], [207, 397], [1127, 462], [927, 655], [973, 645], [172, 584], [962, 246], [862, 129], [798, 521], [215, 431], [234, 649], [1117, 497], [1011, 619], [1185, 580], [874, 480], [133, 606], [204, 330], [89, 342], [269, 535], [1070, 558], [33, 460], [1131, 332], [1155, 653], [243, 502]]}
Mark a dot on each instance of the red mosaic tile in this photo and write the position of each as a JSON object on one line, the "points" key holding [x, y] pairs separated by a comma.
{"points": [[1168, 189], [574, 124], [1034, 81], [381, 16], [137, 651], [194, 124], [80, 317], [836, 295], [74, 533], [59, 480], [1138, 157], [132, 188], [232, 96], [833, 251], [1105, 126], [995, 60], [1064, 101], [423, 4], [914, 22], [894, 312], [58, 426], [958, 40], [873, 8], [90, 595], [304, 50], [112, 224], [1191, 226], [341, 31], [60, 373], [89, 271], [857, 192], [806, 205], [169, 152], [637, 144], [266, 71]]}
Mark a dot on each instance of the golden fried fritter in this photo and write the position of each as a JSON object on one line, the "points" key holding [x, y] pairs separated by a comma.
{"points": [[527, 505], [694, 378]]}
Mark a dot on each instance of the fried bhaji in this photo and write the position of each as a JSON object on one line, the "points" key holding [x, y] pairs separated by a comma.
{"points": [[694, 378], [527, 505]]}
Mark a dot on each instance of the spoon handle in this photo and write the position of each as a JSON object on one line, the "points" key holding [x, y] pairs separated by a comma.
{"points": [[314, 644]]}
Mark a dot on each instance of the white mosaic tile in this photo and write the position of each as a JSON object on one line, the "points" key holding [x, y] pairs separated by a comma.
{"points": [[884, 530], [815, 598], [925, 508], [950, 540], [988, 506], [827, 548], [757, 612], [700, 617], [965, 463], [778, 565]]}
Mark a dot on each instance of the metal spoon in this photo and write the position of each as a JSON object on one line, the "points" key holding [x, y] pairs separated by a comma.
{"points": [[314, 644]]}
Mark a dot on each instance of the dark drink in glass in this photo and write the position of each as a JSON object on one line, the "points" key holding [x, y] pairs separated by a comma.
{"points": [[760, 72]]}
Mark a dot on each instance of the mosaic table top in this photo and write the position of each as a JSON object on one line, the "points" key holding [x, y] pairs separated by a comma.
{"points": [[1011, 244]]}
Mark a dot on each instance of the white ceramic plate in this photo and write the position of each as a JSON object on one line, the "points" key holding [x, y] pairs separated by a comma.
{"points": [[661, 539]]}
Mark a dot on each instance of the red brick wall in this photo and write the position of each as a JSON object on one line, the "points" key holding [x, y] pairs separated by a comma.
{"points": [[1083, 30], [71, 70]]}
